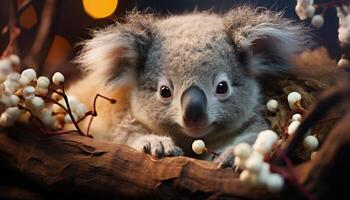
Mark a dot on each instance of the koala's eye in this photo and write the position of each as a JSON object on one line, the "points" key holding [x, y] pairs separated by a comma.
{"points": [[222, 88], [165, 92]]}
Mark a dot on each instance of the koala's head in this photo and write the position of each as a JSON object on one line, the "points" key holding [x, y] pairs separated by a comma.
{"points": [[195, 73]]}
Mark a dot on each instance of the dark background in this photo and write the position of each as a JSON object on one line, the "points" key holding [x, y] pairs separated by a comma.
{"points": [[73, 25]]}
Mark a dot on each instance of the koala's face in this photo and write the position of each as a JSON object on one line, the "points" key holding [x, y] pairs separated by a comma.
{"points": [[189, 76], [191, 81]]}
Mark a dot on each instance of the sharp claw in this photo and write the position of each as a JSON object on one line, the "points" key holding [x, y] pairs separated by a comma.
{"points": [[147, 148], [160, 150]]}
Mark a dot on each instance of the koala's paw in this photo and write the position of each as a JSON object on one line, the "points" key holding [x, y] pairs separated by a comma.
{"points": [[159, 146], [226, 158]]}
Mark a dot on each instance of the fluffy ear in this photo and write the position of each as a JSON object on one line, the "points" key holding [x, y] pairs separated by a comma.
{"points": [[264, 40], [116, 53]]}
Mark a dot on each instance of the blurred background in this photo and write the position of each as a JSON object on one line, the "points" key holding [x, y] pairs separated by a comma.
{"points": [[72, 21]]}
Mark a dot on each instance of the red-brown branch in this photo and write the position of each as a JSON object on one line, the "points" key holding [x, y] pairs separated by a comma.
{"points": [[94, 113], [12, 30], [44, 37]]}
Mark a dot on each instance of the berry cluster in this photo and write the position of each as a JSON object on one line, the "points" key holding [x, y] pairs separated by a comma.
{"points": [[294, 101], [24, 97], [307, 9]]}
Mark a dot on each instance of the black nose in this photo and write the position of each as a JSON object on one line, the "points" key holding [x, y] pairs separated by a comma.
{"points": [[194, 106]]}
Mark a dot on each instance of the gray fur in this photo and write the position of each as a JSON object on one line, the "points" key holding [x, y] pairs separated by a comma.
{"points": [[184, 50]]}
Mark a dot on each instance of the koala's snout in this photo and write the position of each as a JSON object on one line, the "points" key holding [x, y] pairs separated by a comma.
{"points": [[194, 107]]}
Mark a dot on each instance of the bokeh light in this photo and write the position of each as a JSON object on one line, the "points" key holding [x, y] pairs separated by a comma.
{"points": [[100, 8], [28, 18], [59, 51]]}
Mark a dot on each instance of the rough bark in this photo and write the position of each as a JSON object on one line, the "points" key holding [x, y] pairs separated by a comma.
{"points": [[76, 164], [327, 177]]}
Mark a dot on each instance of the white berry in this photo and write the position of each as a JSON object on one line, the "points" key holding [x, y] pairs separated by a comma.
{"points": [[296, 117], [10, 87], [6, 100], [43, 82], [198, 146], [5, 121], [58, 78], [9, 116], [244, 177], [24, 80], [268, 134], [47, 118], [272, 105], [275, 183], [264, 174], [293, 98], [41, 91], [14, 100], [37, 103], [317, 21], [313, 155], [80, 109], [293, 127], [28, 93], [14, 59], [257, 155], [5, 66], [29, 73], [343, 62], [300, 11], [305, 3], [253, 164], [13, 112], [14, 77], [310, 143], [310, 11], [242, 150], [265, 141]]}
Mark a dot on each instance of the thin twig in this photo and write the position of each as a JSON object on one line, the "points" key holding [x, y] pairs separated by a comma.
{"points": [[94, 113], [70, 111]]}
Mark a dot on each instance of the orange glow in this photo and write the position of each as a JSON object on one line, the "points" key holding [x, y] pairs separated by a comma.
{"points": [[28, 18], [100, 8], [59, 51]]}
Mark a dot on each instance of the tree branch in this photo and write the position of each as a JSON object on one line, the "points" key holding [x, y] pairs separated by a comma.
{"points": [[103, 169], [44, 37]]}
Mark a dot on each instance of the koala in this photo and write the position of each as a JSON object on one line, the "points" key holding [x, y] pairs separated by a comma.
{"points": [[183, 77]]}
